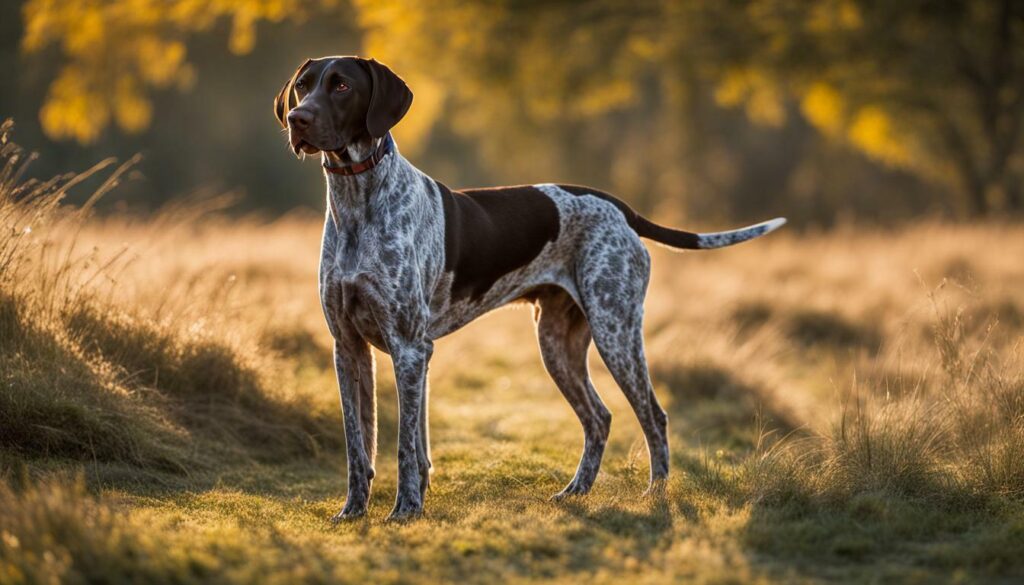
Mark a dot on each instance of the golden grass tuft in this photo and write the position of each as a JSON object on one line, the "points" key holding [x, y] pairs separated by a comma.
{"points": [[86, 378]]}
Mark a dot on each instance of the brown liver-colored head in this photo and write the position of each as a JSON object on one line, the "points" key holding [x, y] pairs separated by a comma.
{"points": [[332, 102]]}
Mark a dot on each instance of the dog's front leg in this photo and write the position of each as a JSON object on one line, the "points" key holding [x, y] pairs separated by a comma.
{"points": [[353, 363], [410, 361]]}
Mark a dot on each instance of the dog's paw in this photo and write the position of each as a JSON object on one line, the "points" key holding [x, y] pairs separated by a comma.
{"points": [[570, 491], [404, 516], [351, 511], [407, 508], [347, 516]]}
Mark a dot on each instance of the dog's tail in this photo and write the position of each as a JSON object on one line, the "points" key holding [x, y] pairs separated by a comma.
{"points": [[679, 239], [674, 238]]}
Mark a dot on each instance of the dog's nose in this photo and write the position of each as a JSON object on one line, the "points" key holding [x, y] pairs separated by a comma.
{"points": [[300, 119]]}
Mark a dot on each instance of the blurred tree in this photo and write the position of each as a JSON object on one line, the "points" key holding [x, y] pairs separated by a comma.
{"points": [[550, 89], [217, 136], [932, 86], [629, 94], [116, 49], [936, 86]]}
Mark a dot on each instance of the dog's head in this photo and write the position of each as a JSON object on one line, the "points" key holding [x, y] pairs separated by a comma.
{"points": [[332, 102]]}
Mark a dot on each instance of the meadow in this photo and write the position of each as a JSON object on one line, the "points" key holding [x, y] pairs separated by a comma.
{"points": [[844, 406]]}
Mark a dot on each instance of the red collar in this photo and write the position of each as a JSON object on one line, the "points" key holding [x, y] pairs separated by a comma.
{"points": [[361, 167]]}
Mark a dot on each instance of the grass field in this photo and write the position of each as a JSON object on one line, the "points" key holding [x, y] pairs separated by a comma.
{"points": [[846, 406]]}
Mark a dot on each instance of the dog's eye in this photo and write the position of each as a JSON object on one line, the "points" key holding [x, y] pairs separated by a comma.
{"points": [[300, 85], [340, 87]]}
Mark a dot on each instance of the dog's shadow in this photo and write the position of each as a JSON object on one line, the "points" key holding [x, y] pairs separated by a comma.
{"points": [[645, 528]]}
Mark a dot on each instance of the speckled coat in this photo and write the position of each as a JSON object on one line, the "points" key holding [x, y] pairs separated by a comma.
{"points": [[401, 265]]}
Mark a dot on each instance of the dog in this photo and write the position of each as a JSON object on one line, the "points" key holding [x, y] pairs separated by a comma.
{"points": [[405, 261]]}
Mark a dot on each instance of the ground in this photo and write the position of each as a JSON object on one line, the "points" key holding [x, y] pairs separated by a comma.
{"points": [[843, 407]]}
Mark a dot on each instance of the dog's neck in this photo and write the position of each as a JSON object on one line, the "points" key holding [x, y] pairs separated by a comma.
{"points": [[347, 194]]}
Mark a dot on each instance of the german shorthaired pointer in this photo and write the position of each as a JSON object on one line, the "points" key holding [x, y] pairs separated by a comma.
{"points": [[406, 260]]}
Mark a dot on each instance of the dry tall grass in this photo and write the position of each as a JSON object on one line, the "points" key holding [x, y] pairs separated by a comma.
{"points": [[93, 375], [847, 406]]}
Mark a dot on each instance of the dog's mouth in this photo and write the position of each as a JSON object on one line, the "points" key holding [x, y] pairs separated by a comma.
{"points": [[300, 145]]}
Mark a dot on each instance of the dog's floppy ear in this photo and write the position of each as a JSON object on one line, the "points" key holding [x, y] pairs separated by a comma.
{"points": [[285, 100], [390, 98]]}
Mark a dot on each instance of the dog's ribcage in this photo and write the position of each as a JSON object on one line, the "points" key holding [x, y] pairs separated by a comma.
{"points": [[398, 239], [579, 217]]}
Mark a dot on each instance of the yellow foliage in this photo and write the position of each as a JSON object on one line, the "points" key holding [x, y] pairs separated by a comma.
{"points": [[832, 15], [765, 106], [732, 89], [605, 97], [849, 15], [872, 131], [117, 50], [72, 110], [823, 107], [412, 36], [392, 36], [473, 63], [131, 109], [869, 129], [243, 33], [756, 91]]}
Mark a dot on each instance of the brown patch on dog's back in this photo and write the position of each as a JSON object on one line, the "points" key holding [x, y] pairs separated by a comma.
{"points": [[491, 232]]}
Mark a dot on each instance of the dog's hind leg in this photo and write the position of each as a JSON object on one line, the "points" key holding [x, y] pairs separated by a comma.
{"points": [[564, 336], [612, 282]]}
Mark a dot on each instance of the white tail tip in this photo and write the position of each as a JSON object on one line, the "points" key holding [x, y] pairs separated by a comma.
{"points": [[728, 238]]}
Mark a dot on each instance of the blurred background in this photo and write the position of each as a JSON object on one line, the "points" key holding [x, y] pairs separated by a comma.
{"points": [[703, 111]]}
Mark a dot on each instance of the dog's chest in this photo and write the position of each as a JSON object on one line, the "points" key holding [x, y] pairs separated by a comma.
{"points": [[358, 285], [376, 266]]}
